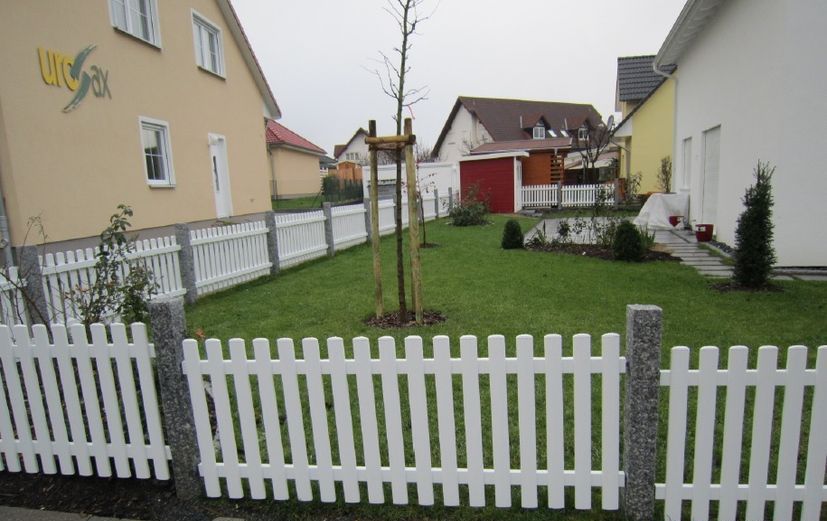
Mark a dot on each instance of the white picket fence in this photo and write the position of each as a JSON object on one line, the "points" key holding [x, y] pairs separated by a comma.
{"points": [[225, 256], [728, 489], [55, 389], [300, 237], [64, 272], [12, 304], [348, 226], [288, 456], [546, 196]]}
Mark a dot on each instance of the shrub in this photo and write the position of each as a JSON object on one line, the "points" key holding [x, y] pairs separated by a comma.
{"points": [[471, 210], [754, 254], [665, 174], [512, 235], [627, 245]]}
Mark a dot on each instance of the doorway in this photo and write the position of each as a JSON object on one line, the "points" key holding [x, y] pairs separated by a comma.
{"points": [[220, 176]]}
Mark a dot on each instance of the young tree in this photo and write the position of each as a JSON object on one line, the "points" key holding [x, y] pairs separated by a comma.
{"points": [[754, 254], [665, 174], [406, 14], [592, 139]]}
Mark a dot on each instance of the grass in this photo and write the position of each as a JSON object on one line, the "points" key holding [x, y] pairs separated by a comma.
{"points": [[313, 202], [485, 290]]}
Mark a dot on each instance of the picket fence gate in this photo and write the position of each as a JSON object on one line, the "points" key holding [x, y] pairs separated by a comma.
{"points": [[12, 305], [567, 196], [234, 467], [54, 391]]}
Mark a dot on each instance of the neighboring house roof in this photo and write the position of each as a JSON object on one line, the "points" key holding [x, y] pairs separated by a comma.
{"points": [[327, 161], [250, 59], [635, 77], [502, 118], [279, 135], [640, 105], [692, 20], [338, 149], [523, 144]]}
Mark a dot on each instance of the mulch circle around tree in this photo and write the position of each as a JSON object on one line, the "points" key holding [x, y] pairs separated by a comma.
{"points": [[392, 320], [592, 250]]}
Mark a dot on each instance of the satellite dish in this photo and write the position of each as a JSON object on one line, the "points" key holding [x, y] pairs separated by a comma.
{"points": [[611, 121]]}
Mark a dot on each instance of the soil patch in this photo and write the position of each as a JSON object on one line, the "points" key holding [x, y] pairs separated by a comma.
{"points": [[593, 250], [392, 320]]}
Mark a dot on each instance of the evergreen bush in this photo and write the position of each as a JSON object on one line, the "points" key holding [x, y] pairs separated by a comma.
{"points": [[512, 235], [754, 253], [471, 210], [627, 245]]}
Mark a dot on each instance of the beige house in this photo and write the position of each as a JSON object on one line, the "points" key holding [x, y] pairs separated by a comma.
{"points": [[295, 170], [156, 104]]}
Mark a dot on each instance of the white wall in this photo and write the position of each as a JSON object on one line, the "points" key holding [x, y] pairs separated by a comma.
{"points": [[753, 72], [358, 146], [465, 129], [439, 176]]}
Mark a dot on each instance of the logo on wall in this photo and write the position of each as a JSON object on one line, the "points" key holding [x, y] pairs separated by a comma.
{"points": [[61, 70]]}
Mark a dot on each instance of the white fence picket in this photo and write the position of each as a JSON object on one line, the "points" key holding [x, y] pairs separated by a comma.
{"points": [[443, 379], [393, 419], [367, 416], [344, 419], [790, 432], [761, 431], [419, 420], [733, 432], [44, 400], [318, 419], [527, 421], [582, 422], [499, 422], [247, 418], [610, 421], [228, 255], [348, 226], [295, 419], [473, 418], [301, 237], [816, 448], [555, 425], [270, 418], [704, 431], [12, 305], [545, 196]]}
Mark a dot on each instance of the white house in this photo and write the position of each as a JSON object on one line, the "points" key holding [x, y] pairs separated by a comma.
{"points": [[751, 79], [439, 177], [355, 150]]}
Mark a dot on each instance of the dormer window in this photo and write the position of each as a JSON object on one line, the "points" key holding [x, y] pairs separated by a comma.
{"points": [[539, 132], [551, 133], [582, 133], [564, 133]]}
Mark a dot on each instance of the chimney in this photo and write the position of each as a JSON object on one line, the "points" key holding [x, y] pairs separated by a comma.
{"points": [[521, 122]]}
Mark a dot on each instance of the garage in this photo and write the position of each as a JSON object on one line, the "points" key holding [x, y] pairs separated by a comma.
{"points": [[498, 177]]}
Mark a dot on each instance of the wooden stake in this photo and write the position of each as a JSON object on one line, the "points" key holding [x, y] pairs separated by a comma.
{"points": [[374, 225], [413, 224]]}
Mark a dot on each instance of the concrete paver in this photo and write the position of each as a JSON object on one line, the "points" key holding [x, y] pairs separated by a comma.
{"points": [[26, 514]]}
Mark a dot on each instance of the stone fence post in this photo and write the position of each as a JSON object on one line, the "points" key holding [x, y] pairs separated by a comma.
{"points": [[436, 202], [29, 270], [168, 330], [328, 229], [450, 198], [640, 421], [366, 202], [186, 262], [272, 241]]}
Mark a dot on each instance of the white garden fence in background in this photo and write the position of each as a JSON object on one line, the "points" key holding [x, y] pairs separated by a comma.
{"points": [[348, 226], [64, 272], [301, 237], [546, 196], [725, 485], [76, 406], [225, 256], [12, 305], [311, 459]]}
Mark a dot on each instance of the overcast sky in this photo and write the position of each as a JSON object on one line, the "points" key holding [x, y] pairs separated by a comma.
{"points": [[318, 56]]}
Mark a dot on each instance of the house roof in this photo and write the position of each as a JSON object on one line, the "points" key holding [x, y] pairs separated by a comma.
{"points": [[279, 135], [250, 59], [523, 144], [692, 20], [339, 149], [502, 117], [636, 78], [639, 106]]}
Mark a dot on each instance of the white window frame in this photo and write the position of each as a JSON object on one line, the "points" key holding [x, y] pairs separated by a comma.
{"points": [[202, 23], [127, 25], [163, 126], [542, 133], [582, 134]]}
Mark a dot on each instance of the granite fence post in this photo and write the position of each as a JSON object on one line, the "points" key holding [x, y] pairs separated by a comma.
{"points": [[186, 262], [367, 218], [168, 331], [272, 241], [450, 198], [617, 192], [436, 202], [328, 229], [640, 422], [29, 269]]}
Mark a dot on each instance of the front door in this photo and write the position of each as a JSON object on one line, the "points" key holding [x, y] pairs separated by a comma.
{"points": [[712, 154], [219, 176]]}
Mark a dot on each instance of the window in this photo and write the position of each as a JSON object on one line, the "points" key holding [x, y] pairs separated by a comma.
{"points": [[136, 17], [539, 132], [564, 133], [157, 152], [208, 51], [583, 134]]}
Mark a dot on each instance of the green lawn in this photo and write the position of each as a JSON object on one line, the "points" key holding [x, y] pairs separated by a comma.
{"points": [[313, 202], [484, 290]]}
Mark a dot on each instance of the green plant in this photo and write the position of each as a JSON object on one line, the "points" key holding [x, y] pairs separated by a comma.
{"points": [[472, 210], [512, 235], [665, 174], [120, 286], [627, 245], [754, 253], [633, 187]]}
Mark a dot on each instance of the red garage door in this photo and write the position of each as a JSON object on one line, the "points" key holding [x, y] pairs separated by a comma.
{"points": [[495, 178]]}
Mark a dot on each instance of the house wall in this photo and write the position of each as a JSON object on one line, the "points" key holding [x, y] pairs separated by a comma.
{"points": [[465, 130], [751, 72], [431, 176], [495, 180], [73, 169], [652, 136], [296, 173], [358, 146], [537, 169]]}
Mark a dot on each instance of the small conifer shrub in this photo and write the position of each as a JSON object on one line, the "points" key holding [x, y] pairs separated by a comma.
{"points": [[512, 235], [754, 253], [627, 245]]}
